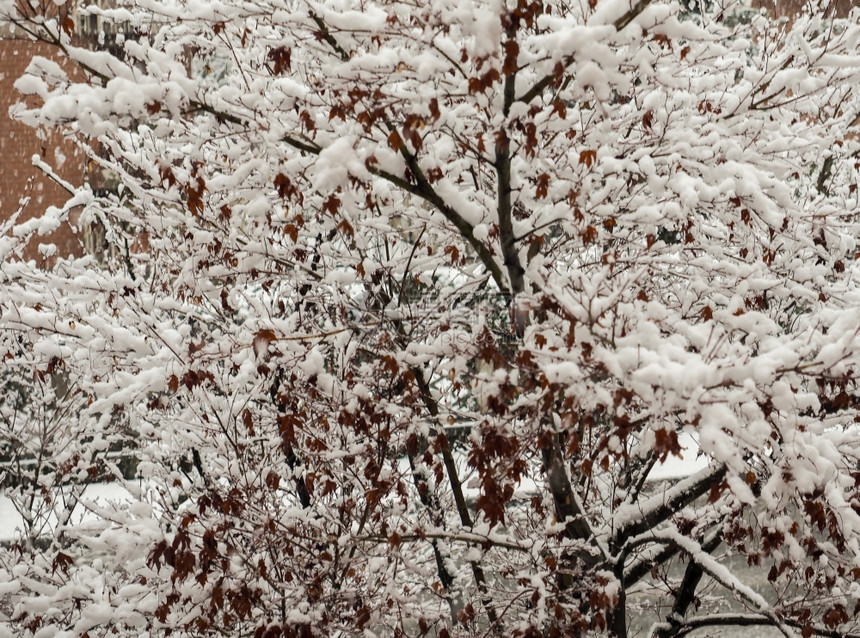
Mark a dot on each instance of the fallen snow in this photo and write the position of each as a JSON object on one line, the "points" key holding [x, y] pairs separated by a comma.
{"points": [[103, 495]]}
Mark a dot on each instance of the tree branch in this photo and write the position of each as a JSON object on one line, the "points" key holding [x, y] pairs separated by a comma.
{"points": [[753, 620], [686, 592], [453, 479], [461, 537], [619, 24], [720, 573], [502, 164], [640, 569], [456, 486], [566, 507], [631, 15], [329, 39], [429, 502], [423, 189], [655, 511]]}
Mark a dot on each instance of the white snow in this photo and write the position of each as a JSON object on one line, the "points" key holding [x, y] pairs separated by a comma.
{"points": [[100, 494]]}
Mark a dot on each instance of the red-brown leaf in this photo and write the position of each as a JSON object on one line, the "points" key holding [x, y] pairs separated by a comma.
{"points": [[279, 59], [588, 157]]}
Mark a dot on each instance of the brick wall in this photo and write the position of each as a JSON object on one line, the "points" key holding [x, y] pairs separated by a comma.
{"points": [[19, 179], [789, 8]]}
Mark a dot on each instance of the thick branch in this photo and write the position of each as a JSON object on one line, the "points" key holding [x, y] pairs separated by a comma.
{"points": [[566, 507], [720, 573], [448, 458], [479, 540], [506, 229], [652, 513], [753, 620], [425, 191], [824, 175], [631, 15], [502, 164], [685, 595], [640, 569]]}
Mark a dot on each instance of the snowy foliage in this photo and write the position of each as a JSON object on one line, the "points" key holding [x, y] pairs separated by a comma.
{"points": [[400, 303]]}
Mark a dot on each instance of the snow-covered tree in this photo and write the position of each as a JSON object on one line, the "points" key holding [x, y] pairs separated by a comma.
{"points": [[401, 304]]}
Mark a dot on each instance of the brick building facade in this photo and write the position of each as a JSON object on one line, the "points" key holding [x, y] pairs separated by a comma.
{"points": [[23, 187], [789, 8]]}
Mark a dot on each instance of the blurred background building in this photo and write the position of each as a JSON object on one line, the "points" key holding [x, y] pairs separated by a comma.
{"points": [[26, 190]]}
